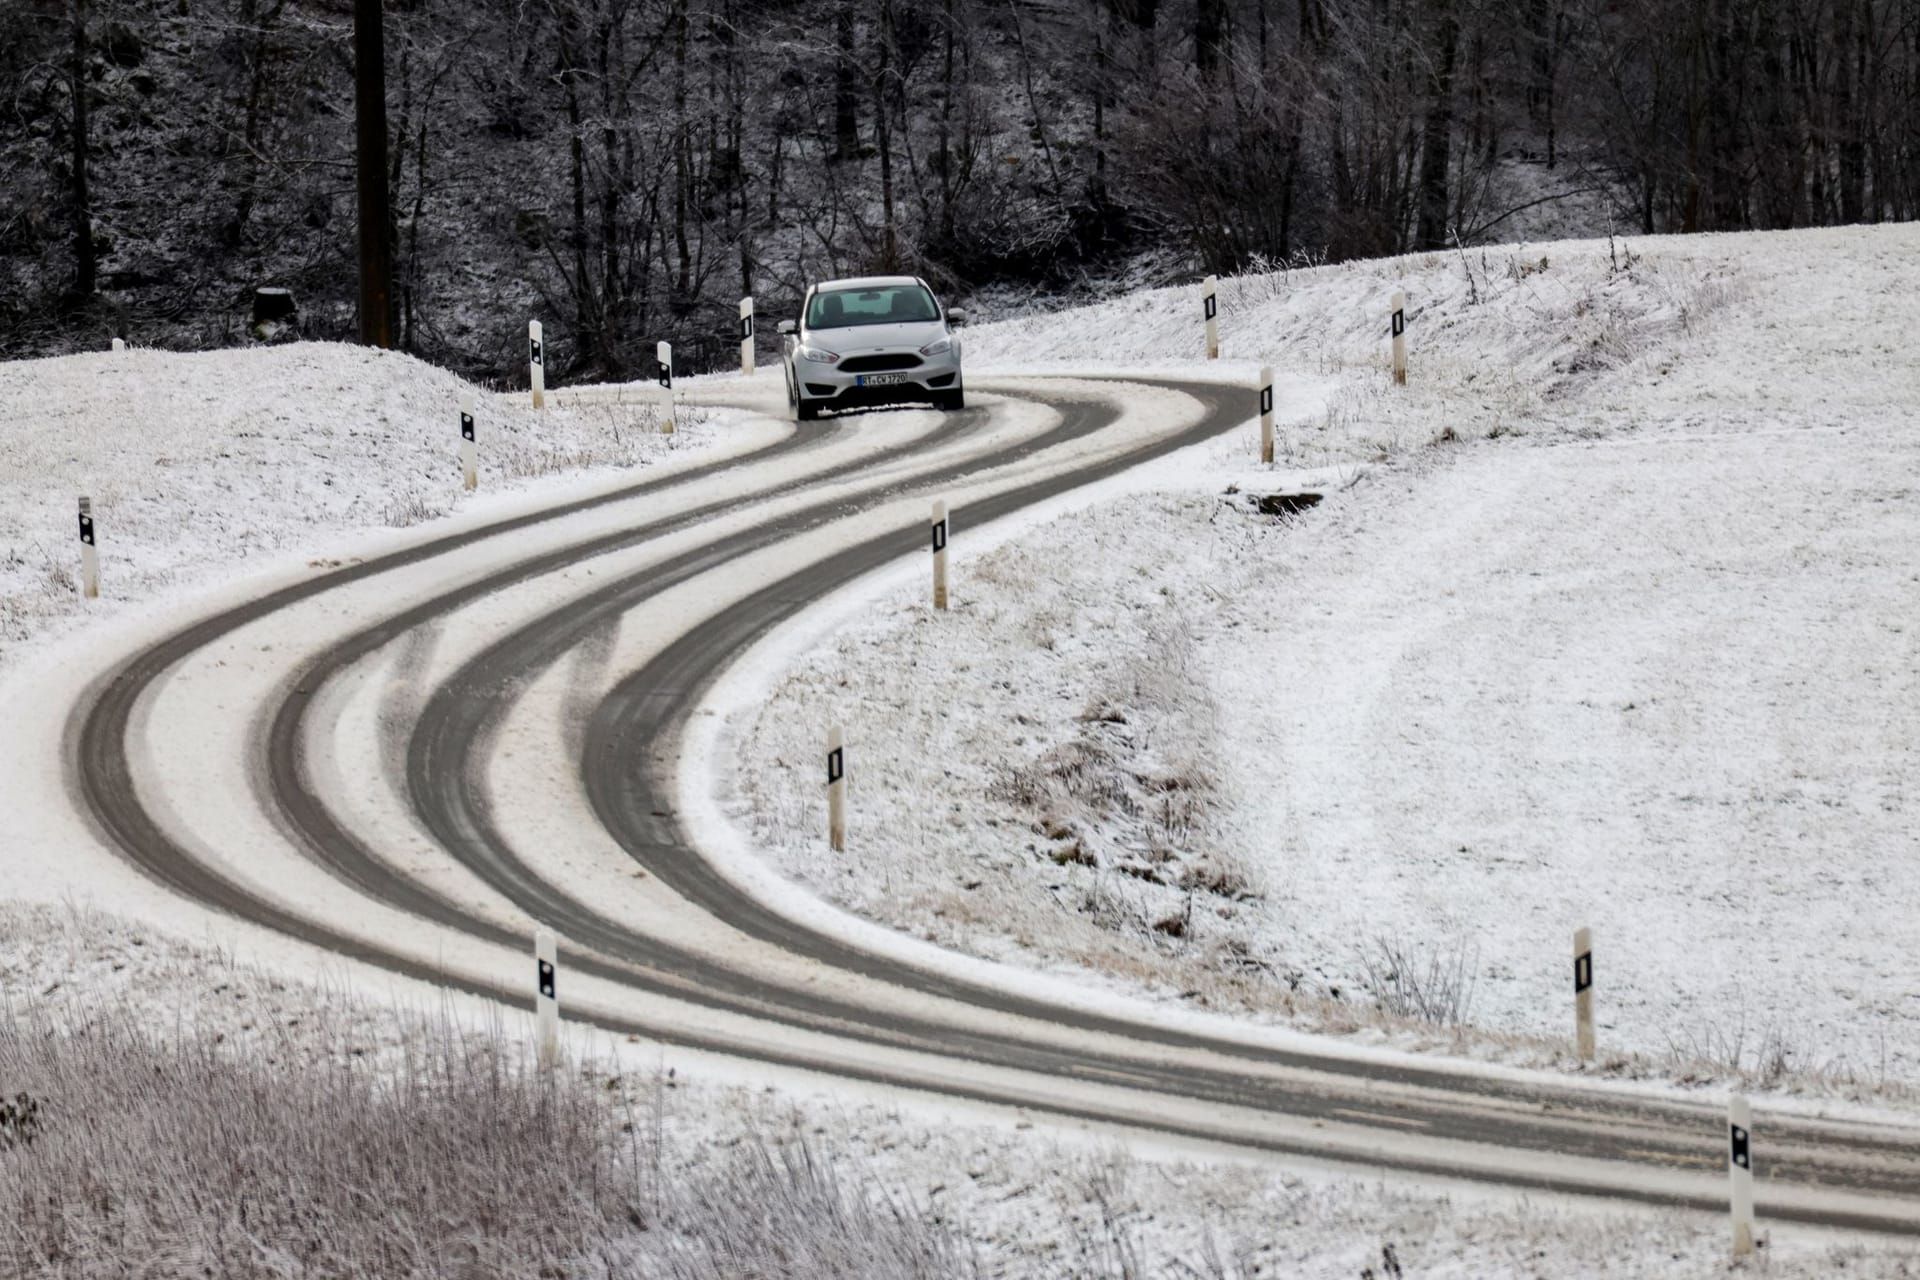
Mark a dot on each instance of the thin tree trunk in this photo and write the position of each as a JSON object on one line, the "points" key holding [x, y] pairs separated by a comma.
{"points": [[258, 27], [737, 143], [946, 130], [1437, 141], [577, 155], [1033, 101], [682, 154], [396, 165], [1697, 52], [1290, 182], [86, 257], [370, 143], [1102, 81], [882, 91], [409, 316], [612, 335], [1209, 35], [846, 89]]}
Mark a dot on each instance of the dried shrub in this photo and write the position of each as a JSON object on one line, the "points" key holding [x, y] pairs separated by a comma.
{"points": [[1436, 988], [186, 1156]]}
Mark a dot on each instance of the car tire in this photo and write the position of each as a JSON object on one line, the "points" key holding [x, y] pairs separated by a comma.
{"points": [[807, 410], [951, 400]]}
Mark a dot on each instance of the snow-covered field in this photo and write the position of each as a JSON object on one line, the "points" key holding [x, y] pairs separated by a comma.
{"points": [[1016, 1198], [1601, 621], [1604, 621], [199, 464]]}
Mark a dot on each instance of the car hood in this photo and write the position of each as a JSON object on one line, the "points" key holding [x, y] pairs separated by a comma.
{"points": [[859, 339]]}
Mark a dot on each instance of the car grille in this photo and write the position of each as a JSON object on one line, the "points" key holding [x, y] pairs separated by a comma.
{"points": [[879, 364]]}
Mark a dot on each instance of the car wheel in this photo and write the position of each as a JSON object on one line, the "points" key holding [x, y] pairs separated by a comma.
{"points": [[807, 410], [951, 400]]}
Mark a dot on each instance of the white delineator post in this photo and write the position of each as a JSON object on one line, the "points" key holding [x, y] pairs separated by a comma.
{"points": [[537, 364], [940, 553], [89, 553], [1740, 1168], [663, 353], [469, 448], [1583, 992], [1266, 414], [1399, 338], [119, 345], [1210, 309], [746, 335], [836, 790], [546, 1000]]}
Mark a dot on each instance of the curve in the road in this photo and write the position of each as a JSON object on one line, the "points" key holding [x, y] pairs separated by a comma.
{"points": [[644, 713]]}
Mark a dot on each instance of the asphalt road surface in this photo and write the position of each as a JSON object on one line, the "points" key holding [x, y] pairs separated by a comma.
{"points": [[876, 1019]]}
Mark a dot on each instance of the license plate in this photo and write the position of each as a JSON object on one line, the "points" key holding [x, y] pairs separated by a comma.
{"points": [[881, 379]]}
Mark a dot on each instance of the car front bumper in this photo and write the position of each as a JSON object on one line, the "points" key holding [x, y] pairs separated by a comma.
{"points": [[831, 386]]}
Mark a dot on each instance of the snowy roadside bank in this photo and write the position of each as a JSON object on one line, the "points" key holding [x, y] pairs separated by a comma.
{"points": [[204, 466], [1640, 668], [853, 1190], [1027, 1208]]}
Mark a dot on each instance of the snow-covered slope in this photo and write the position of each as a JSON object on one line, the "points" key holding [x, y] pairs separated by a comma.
{"points": [[196, 463], [1301, 721], [1022, 1201], [1496, 337], [1642, 662]]}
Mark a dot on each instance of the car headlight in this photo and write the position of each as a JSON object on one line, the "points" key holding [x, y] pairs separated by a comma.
{"points": [[824, 357], [938, 347]]}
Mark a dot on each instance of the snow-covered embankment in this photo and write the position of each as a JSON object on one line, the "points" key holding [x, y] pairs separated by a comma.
{"points": [[1604, 621]]}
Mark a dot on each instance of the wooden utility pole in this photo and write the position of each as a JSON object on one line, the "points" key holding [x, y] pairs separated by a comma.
{"points": [[370, 155]]}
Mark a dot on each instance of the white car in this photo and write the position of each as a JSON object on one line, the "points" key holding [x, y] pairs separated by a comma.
{"points": [[873, 340]]}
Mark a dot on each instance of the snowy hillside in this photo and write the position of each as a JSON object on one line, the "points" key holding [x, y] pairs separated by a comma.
{"points": [[816, 1186], [199, 463], [1602, 620], [1642, 662]]}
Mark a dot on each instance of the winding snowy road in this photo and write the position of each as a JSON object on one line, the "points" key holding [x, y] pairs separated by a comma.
{"points": [[414, 759]]}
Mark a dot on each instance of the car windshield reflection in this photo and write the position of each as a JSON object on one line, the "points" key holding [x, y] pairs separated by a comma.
{"points": [[850, 308]]}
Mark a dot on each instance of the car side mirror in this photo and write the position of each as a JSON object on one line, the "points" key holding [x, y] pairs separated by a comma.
{"points": [[956, 316], [788, 326]]}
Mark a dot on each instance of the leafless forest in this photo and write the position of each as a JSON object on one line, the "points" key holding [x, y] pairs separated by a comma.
{"points": [[626, 169]]}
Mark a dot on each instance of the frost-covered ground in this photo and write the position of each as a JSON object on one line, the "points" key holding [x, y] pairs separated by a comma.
{"points": [[1191, 706], [197, 464], [1017, 1200], [1604, 621]]}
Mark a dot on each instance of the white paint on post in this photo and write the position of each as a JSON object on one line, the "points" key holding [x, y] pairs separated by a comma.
{"points": [[537, 364], [1399, 325], [469, 447], [663, 354], [836, 789], [1266, 414], [1210, 310], [1583, 992], [1740, 1169], [940, 553], [89, 553], [746, 335], [119, 345], [546, 999]]}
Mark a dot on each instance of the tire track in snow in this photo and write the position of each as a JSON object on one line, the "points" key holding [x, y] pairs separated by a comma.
{"points": [[643, 717]]}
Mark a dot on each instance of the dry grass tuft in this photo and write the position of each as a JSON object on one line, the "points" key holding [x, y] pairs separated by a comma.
{"points": [[404, 513], [185, 1156], [1436, 988], [195, 1159]]}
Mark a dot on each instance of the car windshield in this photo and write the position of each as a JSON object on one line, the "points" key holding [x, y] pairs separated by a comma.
{"points": [[888, 304]]}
